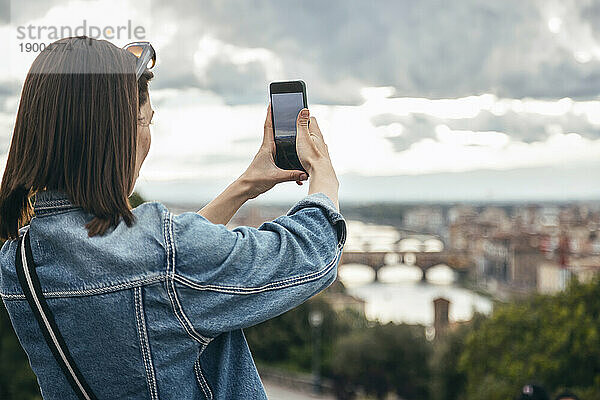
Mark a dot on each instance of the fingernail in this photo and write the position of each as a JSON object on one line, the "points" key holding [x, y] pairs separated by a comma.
{"points": [[304, 112], [303, 177]]}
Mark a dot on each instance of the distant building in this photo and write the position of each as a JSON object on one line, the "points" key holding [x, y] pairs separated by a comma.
{"points": [[427, 219], [496, 253], [339, 300], [441, 307], [524, 263], [585, 268], [461, 214], [551, 278]]}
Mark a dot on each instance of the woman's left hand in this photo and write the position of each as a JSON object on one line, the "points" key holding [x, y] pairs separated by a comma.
{"points": [[262, 174]]}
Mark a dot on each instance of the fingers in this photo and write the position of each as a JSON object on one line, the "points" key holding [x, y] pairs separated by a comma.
{"points": [[302, 121], [314, 127], [268, 119], [315, 131]]}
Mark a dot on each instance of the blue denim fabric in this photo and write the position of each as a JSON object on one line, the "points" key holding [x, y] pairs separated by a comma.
{"points": [[156, 310]]}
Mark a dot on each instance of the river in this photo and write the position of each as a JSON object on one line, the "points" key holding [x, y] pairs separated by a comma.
{"points": [[399, 295], [412, 302]]}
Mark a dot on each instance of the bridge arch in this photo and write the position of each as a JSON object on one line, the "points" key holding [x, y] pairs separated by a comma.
{"points": [[392, 258], [409, 258], [433, 245], [458, 261], [399, 273], [440, 274], [355, 274], [410, 244]]}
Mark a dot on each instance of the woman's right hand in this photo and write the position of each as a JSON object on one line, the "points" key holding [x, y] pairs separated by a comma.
{"points": [[313, 154], [310, 145]]}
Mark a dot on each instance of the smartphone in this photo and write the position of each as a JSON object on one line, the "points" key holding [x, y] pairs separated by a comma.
{"points": [[287, 99]]}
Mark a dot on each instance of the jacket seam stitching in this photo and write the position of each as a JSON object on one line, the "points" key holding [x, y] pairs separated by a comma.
{"points": [[310, 203], [293, 281], [55, 206], [200, 376], [142, 348], [168, 236], [172, 237], [93, 291], [144, 345], [199, 381], [46, 213], [58, 200]]}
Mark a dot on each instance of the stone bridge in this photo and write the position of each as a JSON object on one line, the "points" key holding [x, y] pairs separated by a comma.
{"points": [[457, 260]]}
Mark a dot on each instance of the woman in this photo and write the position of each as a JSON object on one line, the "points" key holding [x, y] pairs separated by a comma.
{"points": [[149, 304]]}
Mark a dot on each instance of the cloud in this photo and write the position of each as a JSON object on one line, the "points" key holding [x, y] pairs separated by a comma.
{"points": [[529, 128], [411, 136], [480, 186], [526, 128], [4, 12], [422, 49], [6, 127], [9, 94], [19, 12], [406, 121], [424, 87], [237, 84], [409, 129]]}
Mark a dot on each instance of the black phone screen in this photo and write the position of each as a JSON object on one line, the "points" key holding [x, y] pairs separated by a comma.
{"points": [[285, 108]]}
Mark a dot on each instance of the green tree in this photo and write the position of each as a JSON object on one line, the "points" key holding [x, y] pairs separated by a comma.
{"points": [[384, 358], [286, 341], [136, 199], [448, 382], [553, 340], [17, 380]]}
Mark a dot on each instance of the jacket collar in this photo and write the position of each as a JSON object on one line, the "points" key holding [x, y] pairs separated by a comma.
{"points": [[50, 201]]}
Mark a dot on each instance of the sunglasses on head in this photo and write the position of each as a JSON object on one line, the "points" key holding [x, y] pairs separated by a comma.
{"points": [[145, 54]]}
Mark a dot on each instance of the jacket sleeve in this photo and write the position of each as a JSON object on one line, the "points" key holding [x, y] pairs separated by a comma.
{"points": [[227, 279]]}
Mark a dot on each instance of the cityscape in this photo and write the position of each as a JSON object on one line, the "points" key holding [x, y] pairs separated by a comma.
{"points": [[506, 250], [438, 266]]}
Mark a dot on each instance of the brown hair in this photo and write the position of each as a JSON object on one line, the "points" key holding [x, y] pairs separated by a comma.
{"points": [[76, 131]]}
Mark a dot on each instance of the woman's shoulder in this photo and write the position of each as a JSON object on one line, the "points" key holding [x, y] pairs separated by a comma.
{"points": [[157, 210], [151, 215], [150, 209], [155, 216]]}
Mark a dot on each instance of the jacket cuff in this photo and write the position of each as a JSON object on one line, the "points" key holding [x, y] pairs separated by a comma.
{"points": [[323, 201]]}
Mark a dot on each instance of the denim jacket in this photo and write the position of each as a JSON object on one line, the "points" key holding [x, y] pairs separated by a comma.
{"points": [[156, 310]]}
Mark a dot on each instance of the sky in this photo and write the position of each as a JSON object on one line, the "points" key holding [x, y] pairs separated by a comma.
{"points": [[417, 100]]}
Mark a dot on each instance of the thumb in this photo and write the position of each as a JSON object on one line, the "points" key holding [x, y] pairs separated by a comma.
{"points": [[292, 175], [302, 122], [268, 139]]}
